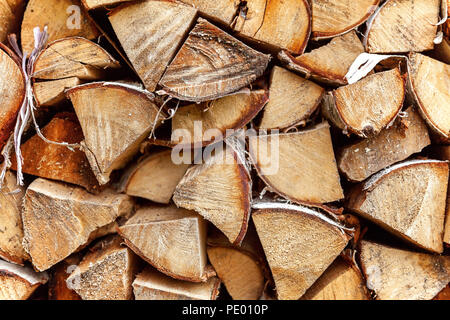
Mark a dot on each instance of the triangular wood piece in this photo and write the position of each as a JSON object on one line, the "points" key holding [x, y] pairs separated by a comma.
{"points": [[299, 244], [408, 199], [408, 135], [211, 64], [10, 12], [328, 63], [151, 44], [153, 285], [106, 272], [397, 274], [428, 81], [367, 106], [223, 11], [51, 93], [416, 32], [171, 239], [57, 286], [58, 219], [113, 135], [94, 4], [17, 282], [299, 166]]}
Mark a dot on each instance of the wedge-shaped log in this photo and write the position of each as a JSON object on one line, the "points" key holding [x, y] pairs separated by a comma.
{"points": [[17, 282], [299, 166], [208, 122], [329, 63], [94, 4], [416, 32], [428, 81], [151, 44], [106, 272], [153, 285], [223, 11], [11, 229], [57, 286], [51, 93], [416, 192], [64, 18], [299, 244], [279, 24], [115, 119], [68, 216], [397, 274], [10, 15], [367, 106], [292, 100], [73, 57], [211, 64], [408, 135], [171, 239]]}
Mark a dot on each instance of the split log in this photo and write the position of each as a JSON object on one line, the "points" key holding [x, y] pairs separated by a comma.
{"points": [[73, 57], [397, 274], [367, 106], [403, 26], [429, 84], [68, 217], [58, 289], [278, 24], [408, 135], [64, 18], [222, 11], [113, 135], [154, 177], [11, 229], [11, 12], [106, 272], [416, 191], [329, 63], [334, 18], [292, 100], [299, 166], [170, 239], [211, 64], [51, 93], [151, 44], [17, 282], [94, 4], [299, 244]]}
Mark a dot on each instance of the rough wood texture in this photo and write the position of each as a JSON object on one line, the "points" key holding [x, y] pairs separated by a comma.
{"points": [[112, 135], [429, 82], [329, 63], [211, 64], [408, 135], [58, 219], [292, 100], [10, 17], [367, 106], [51, 93], [416, 192], [307, 171], [151, 44], [171, 239], [223, 11], [57, 285], [55, 14], [153, 285], [403, 26], [94, 4], [395, 274]]}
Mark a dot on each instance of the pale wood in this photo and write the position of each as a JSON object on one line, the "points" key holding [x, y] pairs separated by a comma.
{"points": [[57, 286], [10, 14], [397, 274], [223, 11], [58, 219], [94, 4], [51, 93]]}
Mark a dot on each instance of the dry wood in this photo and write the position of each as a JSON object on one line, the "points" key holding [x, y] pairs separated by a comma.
{"points": [[51, 93], [444, 294], [280, 24], [416, 192], [429, 83], [57, 285], [328, 63], [10, 17], [367, 106], [69, 217], [17, 282], [408, 135], [94, 4], [171, 239], [299, 244], [223, 11], [150, 44], [402, 26], [397, 274], [211, 64], [106, 272], [112, 134], [307, 171], [73, 57], [333, 18], [442, 50]]}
